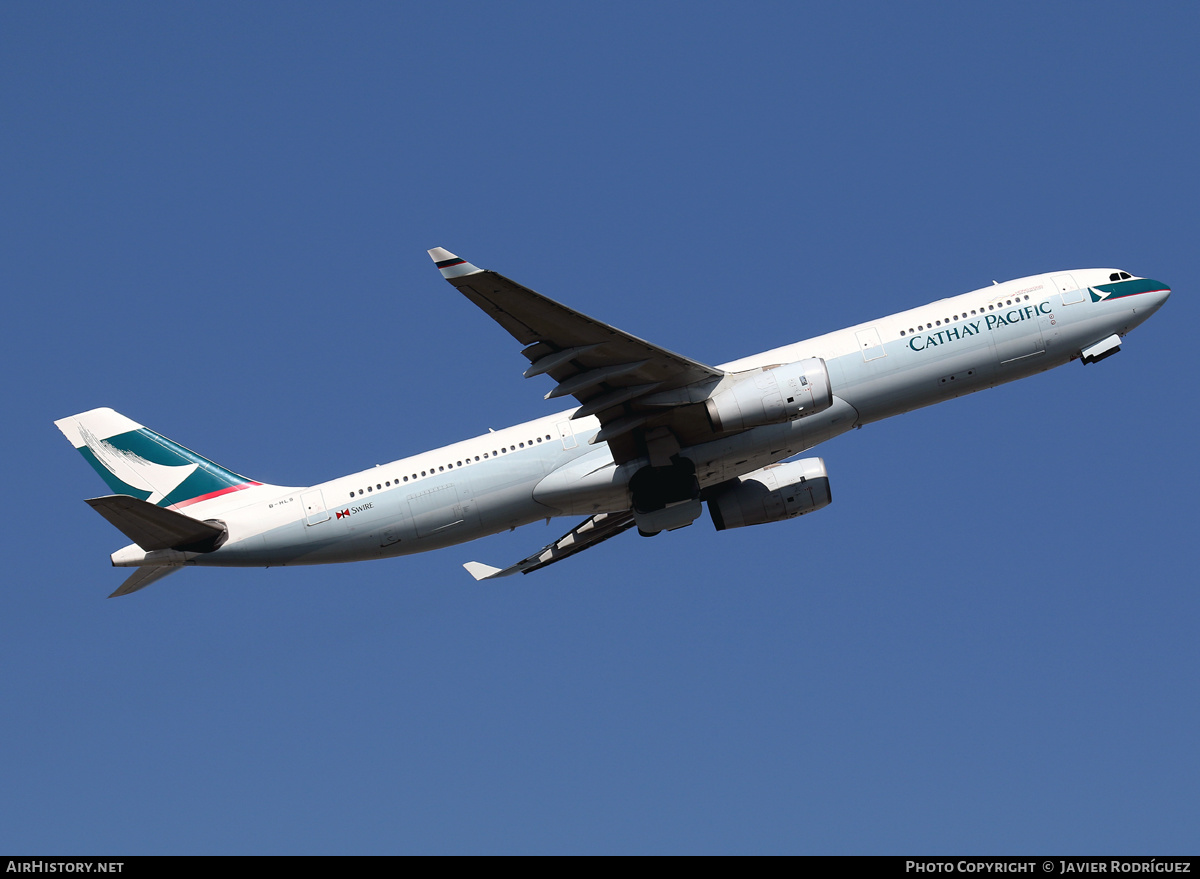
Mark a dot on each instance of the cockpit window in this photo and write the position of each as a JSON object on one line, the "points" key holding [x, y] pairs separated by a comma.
{"points": [[1120, 276]]}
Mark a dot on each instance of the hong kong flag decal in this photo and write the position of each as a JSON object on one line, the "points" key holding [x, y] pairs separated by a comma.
{"points": [[342, 513]]}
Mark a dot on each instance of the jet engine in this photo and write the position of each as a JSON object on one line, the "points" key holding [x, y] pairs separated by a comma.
{"points": [[772, 494], [772, 396]]}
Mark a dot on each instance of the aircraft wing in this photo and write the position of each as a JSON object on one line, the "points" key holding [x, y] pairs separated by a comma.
{"points": [[583, 536], [637, 389]]}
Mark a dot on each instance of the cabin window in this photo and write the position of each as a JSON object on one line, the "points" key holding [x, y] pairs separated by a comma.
{"points": [[902, 332]]}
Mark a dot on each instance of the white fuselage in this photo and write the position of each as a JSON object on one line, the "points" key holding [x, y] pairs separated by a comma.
{"points": [[547, 467]]}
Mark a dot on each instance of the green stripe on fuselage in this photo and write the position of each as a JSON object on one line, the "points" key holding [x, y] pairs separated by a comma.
{"points": [[1121, 289]]}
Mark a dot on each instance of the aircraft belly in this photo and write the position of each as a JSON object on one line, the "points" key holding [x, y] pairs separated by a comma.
{"points": [[510, 506], [923, 383], [276, 546], [437, 508], [589, 484]]}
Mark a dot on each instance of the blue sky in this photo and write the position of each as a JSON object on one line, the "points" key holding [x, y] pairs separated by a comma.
{"points": [[215, 220]]}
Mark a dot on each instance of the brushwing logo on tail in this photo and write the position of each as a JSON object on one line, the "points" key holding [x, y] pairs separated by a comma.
{"points": [[146, 465], [138, 477]]}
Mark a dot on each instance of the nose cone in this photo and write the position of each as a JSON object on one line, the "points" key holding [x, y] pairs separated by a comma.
{"points": [[1157, 294]]}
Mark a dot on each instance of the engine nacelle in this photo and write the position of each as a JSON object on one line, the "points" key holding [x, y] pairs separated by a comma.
{"points": [[772, 396], [772, 494]]}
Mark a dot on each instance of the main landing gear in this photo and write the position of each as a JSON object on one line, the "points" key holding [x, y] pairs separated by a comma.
{"points": [[665, 498]]}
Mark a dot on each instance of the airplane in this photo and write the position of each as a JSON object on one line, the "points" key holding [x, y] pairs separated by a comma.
{"points": [[654, 438]]}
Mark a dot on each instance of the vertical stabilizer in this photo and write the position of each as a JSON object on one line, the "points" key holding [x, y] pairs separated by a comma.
{"points": [[135, 461]]}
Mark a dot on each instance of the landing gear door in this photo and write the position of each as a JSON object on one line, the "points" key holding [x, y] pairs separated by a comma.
{"points": [[314, 507]]}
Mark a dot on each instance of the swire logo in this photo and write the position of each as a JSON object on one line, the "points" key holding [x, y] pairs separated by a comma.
{"points": [[342, 513]]}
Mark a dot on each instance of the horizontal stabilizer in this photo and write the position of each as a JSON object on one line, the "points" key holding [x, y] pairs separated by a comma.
{"points": [[152, 527], [143, 577]]}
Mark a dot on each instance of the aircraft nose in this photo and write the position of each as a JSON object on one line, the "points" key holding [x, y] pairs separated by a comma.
{"points": [[1159, 294]]}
